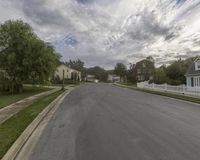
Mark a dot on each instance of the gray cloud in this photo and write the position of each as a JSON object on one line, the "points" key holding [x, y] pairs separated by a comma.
{"points": [[108, 31], [85, 1], [41, 14]]}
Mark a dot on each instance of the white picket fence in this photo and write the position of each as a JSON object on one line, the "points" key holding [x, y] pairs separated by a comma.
{"points": [[181, 89]]}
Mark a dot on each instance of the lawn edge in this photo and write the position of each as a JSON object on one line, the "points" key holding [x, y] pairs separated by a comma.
{"points": [[163, 94], [28, 97], [22, 100], [23, 138]]}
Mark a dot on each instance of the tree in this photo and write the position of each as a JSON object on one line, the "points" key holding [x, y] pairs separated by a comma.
{"points": [[120, 70], [160, 75], [77, 65], [151, 59], [176, 72], [99, 73], [4, 81], [42, 62], [23, 56], [131, 73]]}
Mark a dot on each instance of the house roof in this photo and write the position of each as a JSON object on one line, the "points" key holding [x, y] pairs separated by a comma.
{"points": [[90, 76], [146, 61], [62, 64], [191, 70]]}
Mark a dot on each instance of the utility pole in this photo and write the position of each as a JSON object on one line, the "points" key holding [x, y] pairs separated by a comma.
{"points": [[63, 85]]}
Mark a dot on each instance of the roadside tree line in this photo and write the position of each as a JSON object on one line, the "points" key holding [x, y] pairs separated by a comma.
{"points": [[173, 73], [99, 72]]}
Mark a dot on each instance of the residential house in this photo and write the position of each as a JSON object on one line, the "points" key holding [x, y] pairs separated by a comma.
{"points": [[193, 74], [144, 70], [91, 78], [66, 72], [113, 78]]}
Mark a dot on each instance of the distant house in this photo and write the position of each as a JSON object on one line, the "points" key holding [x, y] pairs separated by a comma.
{"points": [[113, 78], [193, 74], [144, 70], [91, 78], [67, 72]]}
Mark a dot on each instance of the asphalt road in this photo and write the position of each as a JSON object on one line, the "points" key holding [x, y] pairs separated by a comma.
{"points": [[104, 122]]}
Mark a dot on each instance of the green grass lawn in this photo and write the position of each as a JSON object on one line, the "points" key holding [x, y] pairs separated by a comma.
{"points": [[11, 129], [66, 85], [128, 84], [7, 98], [167, 94]]}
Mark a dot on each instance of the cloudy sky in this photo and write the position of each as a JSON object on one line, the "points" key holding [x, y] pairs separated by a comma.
{"points": [[104, 32]]}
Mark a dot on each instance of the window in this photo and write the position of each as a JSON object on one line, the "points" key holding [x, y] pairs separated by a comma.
{"points": [[192, 82], [197, 65], [199, 81], [196, 82], [140, 78], [139, 71]]}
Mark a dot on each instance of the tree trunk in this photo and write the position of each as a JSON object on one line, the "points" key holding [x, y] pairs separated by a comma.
{"points": [[16, 88]]}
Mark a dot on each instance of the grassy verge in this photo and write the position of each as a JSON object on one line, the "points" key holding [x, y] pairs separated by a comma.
{"points": [[7, 98], [171, 95], [11, 129], [65, 85]]}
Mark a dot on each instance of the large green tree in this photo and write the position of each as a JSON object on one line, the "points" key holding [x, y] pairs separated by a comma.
{"points": [[174, 73], [120, 70], [23, 56], [131, 74], [160, 75], [99, 73]]}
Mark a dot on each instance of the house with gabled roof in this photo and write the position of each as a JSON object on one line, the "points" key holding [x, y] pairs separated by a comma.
{"points": [[63, 71], [193, 74], [144, 70]]}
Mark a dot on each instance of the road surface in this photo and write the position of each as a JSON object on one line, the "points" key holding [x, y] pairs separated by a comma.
{"points": [[104, 122]]}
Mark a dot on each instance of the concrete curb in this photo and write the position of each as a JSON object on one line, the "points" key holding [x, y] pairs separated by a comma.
{"points": [[23, 138]]}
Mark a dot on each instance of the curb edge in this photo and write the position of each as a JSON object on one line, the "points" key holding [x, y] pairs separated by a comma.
{"points": [[12, 153]]}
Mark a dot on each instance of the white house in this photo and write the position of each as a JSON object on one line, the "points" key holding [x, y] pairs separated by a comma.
{"points": [[91, 78], [193, 74], [67, 72], [113, 78]]}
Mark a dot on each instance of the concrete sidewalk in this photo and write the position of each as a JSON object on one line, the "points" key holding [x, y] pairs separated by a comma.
{"points": [[9, 111]]}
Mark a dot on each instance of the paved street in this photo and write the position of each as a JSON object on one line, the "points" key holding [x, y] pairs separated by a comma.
{"points": [[104, 122]]}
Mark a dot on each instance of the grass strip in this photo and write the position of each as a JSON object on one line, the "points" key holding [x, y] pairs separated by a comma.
{"points": [[166, 94], [11, 129], [7, 98]]}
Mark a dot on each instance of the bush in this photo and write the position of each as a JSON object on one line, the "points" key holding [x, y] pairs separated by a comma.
{"points": [[69, 81], [57, 80]]}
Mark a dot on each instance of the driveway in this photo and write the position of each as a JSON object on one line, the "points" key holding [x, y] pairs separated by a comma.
{"points": [[105, 122]]}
